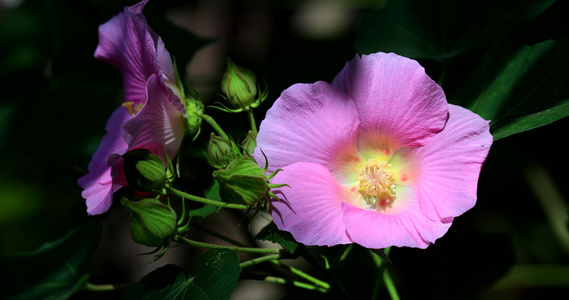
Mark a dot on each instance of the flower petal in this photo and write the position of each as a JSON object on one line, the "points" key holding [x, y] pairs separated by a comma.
{"points": [[311, 208], [309, 123], [408, 228], [448, 167], [158, 125], [126, 43], [97, 183], [395, 99]]}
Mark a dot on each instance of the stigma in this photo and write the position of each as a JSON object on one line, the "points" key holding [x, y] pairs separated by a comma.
{"points": [[376, 184]]}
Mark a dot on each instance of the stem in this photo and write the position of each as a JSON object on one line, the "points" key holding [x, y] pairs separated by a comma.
{"points": [[296, 284], [106, 287], [188, 242], [259, 260], [381, 269], [300, 273], [345, 252], [205, 200], [215, 126], [390, 285], [252, 120]]}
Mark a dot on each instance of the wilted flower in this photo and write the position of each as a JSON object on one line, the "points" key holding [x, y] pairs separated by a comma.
{"points": [[378, 157], [152, 113]]}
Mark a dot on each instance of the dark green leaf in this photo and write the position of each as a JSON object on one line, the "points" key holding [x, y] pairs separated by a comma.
{"points": [[441, 29], [532, 121], [516, 90], [272, 234], [206, 210], [215, 278], [55, 270]]}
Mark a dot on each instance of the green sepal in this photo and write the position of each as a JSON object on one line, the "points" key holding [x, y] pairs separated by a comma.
{"points": [[151, 221], [243, 181]]}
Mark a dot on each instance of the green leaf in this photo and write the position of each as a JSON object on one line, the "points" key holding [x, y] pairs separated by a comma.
{"points": [[519, 91], [206, 210], [441, 29], [55, 270], [532, 121], [216, 275], [272, 234]]}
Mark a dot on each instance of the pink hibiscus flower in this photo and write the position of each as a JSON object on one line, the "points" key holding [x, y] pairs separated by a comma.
{"points": [[378, 157], [151, 116]]}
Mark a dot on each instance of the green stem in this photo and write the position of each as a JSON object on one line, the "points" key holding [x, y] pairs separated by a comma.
{"points": [[188, 242], [252, 120], [296, 284], [205, 200], [214, 124], [381, 269], [259, 260], [390, 285], [106, 287], [300, 273]]}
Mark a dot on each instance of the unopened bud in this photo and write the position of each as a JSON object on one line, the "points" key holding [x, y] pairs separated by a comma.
{"points": [[243, 181], [220, 151], [151, 221], [239, 85], [194, 112], [250, 142], [144, 171]]}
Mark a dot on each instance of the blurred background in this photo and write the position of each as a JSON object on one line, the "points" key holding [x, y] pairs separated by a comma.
{"points": [[55, 99]]}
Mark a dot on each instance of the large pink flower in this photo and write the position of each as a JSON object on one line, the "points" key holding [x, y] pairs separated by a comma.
{"points": [[378, 157], [152, 113]]}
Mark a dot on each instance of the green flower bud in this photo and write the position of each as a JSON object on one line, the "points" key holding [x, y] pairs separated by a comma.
{"points": [[239, 85], [243, 181], [220, 151], [250, 142], [194, 112], [144, 171], [151, 221]]}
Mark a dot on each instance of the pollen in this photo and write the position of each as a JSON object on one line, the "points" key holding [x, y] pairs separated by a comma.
{"points": [[376, 184], [132, 109]]}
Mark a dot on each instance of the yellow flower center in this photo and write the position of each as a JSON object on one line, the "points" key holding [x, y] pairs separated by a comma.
{"points": [[132, 109], [376, 184]]}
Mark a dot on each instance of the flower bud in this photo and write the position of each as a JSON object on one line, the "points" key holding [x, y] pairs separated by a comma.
{"points": [[243, 181], [239, 85], [144, 171], [250, 142], [151, 221], [220, 151], [194, 112]]}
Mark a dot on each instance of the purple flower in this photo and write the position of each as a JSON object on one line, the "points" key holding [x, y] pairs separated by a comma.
{"points": [[378, 157], [152, 115]]}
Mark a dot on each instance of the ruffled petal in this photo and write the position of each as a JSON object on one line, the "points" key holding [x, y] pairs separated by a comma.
{"points": [[311, 208], [407, 228], [159, 125], [97, 183], [309, 123], [124, 42], [448, 167], [398, 104]]}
